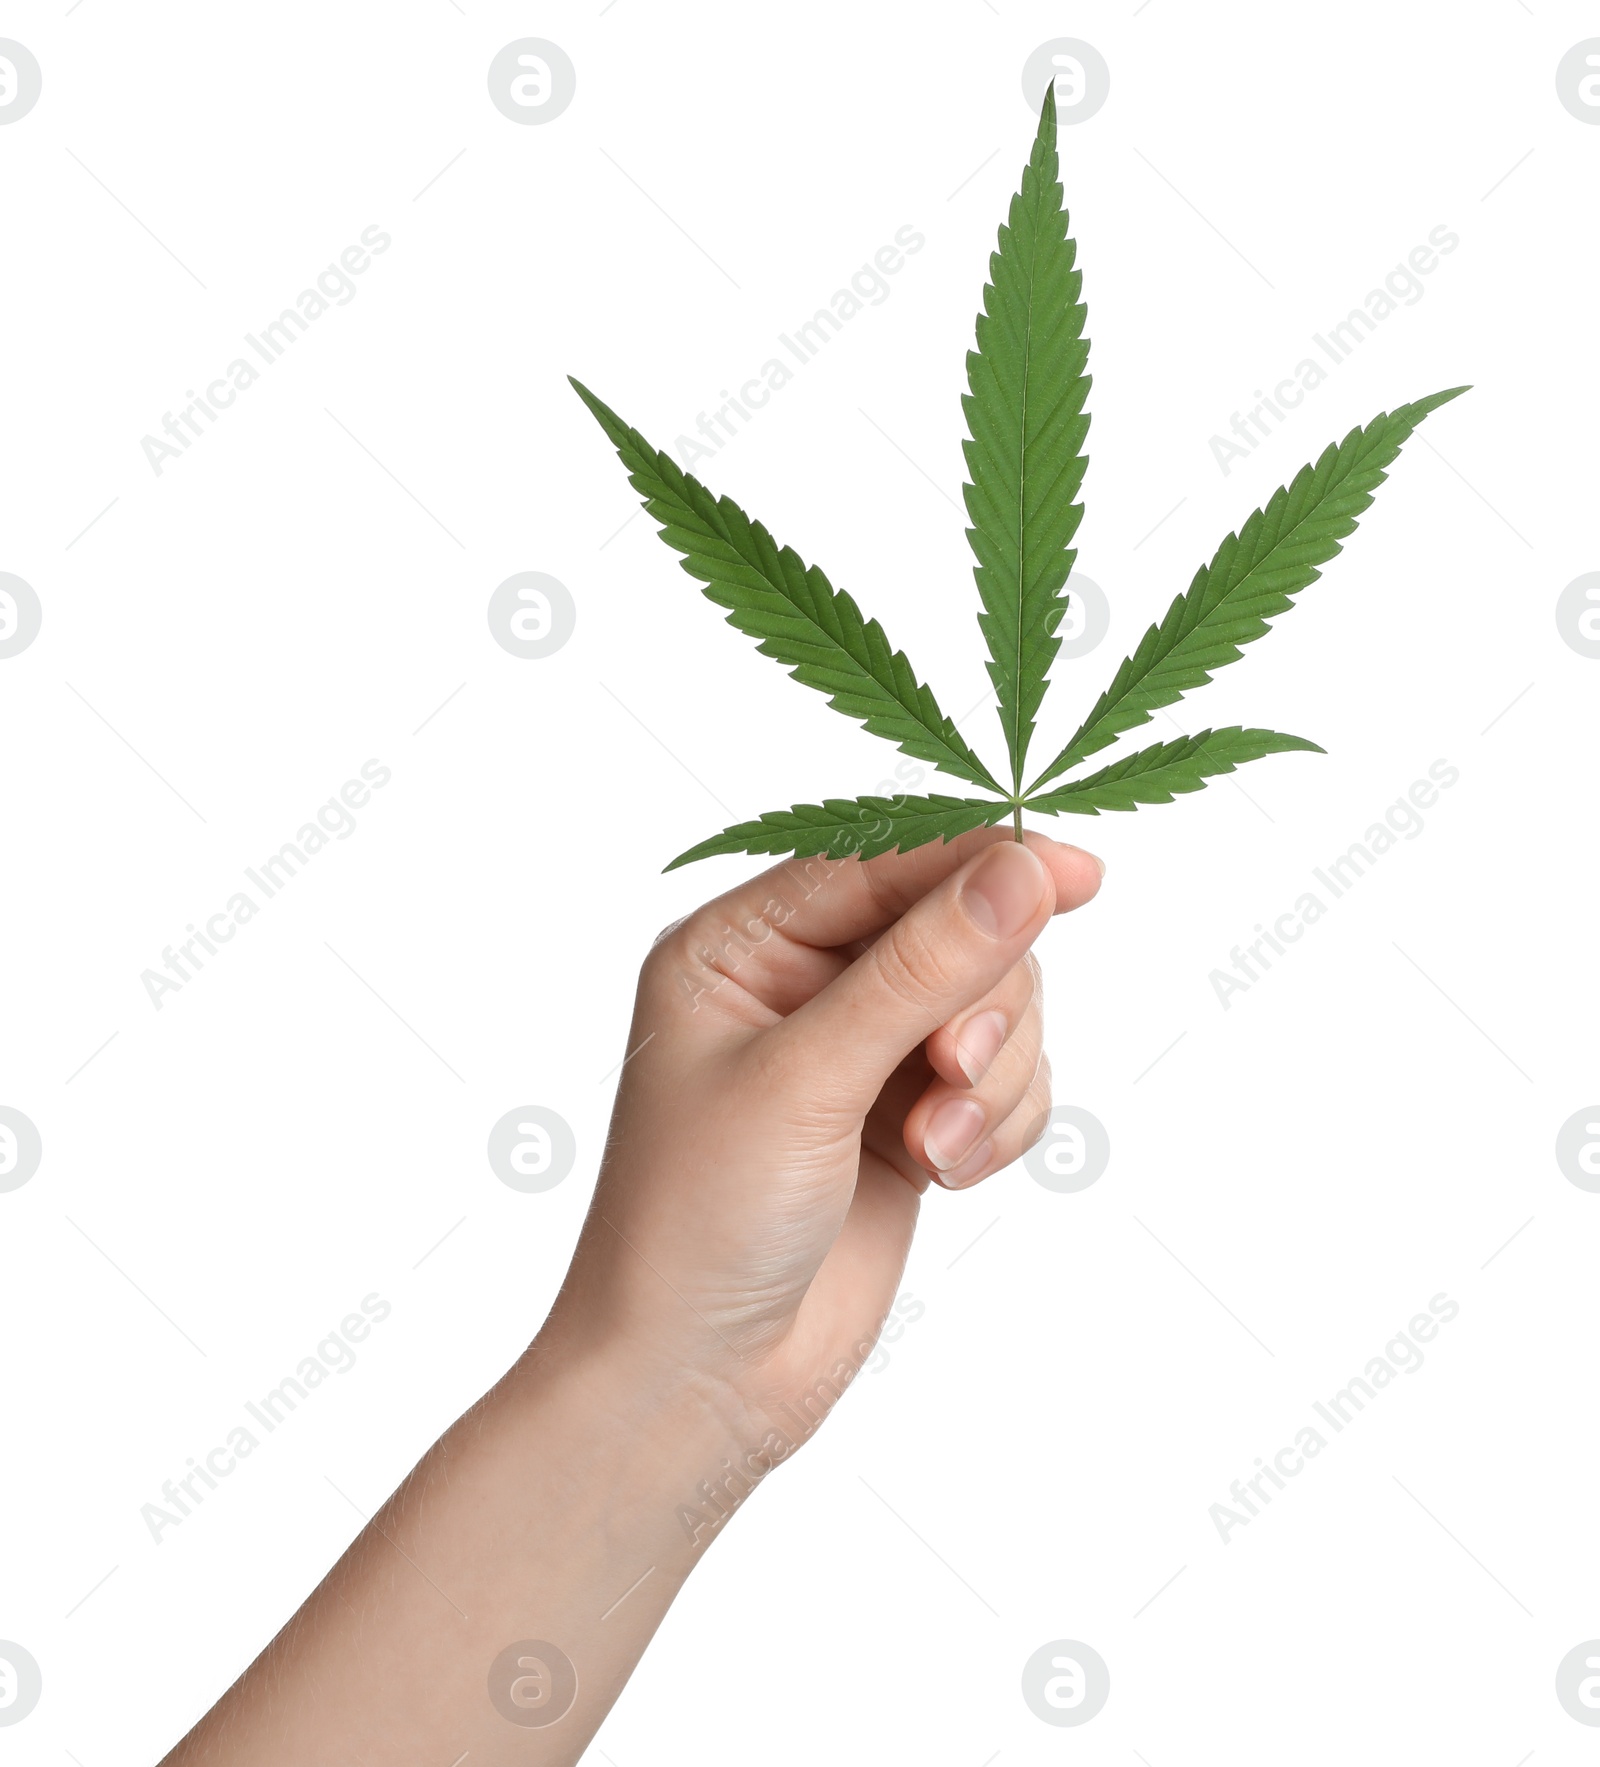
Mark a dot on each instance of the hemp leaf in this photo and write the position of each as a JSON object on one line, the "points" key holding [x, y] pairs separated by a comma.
{"points": [[1027, 388]]}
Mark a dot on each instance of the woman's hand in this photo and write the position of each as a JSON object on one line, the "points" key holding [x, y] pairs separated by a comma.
{"points": [[808, 1053]]}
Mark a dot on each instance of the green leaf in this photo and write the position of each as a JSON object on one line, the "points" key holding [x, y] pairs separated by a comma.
{"points": [[1157, 774], [1251, 580], [852, 827], [1027, 424], [797, 616]]}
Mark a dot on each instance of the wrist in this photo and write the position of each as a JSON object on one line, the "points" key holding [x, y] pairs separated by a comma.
{"points": [[666, 1450]]}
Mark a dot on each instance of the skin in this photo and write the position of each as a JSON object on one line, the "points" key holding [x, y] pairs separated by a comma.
{"points": [[809, 1054]]}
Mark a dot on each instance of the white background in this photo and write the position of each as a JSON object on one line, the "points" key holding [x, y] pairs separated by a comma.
{"points": [[304, 1122]]}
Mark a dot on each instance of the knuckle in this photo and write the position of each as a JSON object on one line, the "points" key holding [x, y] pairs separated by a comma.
{"points": [[804, 1103], [773, 1069], [1030, 1121], [665, 956], [668, 930], [682, 966], [911, 965], [881, 890], [1028, 1038], [652, 969], [1031, 1082], [1037, 1126]]}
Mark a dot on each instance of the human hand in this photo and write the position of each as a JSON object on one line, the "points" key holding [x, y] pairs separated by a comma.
{"points": [[808, 1053]]}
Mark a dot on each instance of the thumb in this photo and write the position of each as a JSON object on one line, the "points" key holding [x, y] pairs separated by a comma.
{"points": [[943, 954]]}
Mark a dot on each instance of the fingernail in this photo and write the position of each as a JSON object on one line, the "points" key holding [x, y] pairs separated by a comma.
{"points": [[951, 1130], [1100, 862], [1003, 894], [978, 1043], [971, 1168]]}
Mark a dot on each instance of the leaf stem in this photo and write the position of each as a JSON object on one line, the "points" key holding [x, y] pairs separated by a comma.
{"points": [[1016, 820]]}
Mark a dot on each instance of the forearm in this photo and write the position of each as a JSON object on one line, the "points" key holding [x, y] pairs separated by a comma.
{"points": [[547, 1516]]}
